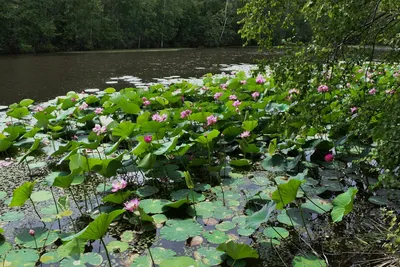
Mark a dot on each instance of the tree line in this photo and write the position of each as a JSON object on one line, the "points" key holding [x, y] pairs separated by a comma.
{"points": [[62, 25]]}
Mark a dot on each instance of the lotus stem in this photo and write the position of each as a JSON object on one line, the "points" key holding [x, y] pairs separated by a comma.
{"points": [[151, 256], [37, 213], [108, 256], [55, 203], [76, 203]]}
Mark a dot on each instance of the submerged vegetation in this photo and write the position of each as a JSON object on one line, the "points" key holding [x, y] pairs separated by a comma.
{"points": [[239, 171]]}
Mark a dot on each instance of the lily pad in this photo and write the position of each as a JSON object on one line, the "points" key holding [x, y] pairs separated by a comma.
{"points": [[308, 260], [154, 205], [180, 230], [186, 193], [378, 200], [238, 251], [51, 257], [12, 216], [203, 209], [210, 256], [127, 236], [317, 205], [159, 255], [292, 217], [87, 258], [216, 237], [43, 237], [4, 247], [22, 257], [276, 232], [179, 262], [147, 191], [245, 231], [222, 213], [159, 218], [117, 246], [40, 196], [225, 226]]}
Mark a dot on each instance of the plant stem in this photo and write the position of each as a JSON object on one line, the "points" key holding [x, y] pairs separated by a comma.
{"points": [[37, 213], [194, 204], [233, 264], [34, 239], [55, 203], [76, 203], [151, 256], [108, 256]]}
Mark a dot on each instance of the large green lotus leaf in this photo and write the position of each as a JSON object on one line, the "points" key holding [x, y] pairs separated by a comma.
{"points": [[12, 216], [22, 194], [81, 261], [178, 204], [245, 231], [225, 226], [186, 193], [147, 191], [180, 230], [50, 257], [5, 144], [276, 163], [159, 218], [21, 257], [210, 256], [308, 260], [249, 125], [179, 262], [203, 209], [343, 204], [276, 232], [4, 247], [216, 237], [117, 246], [154, 205], [98, 228], [294, 217], [118, 197], [238, 251], [127, 236], [124, 129], [74, 247], [65, 181], [317, 205], [18, 113], [159, 255], [286, 193], [34, 146], [378, 200], [104, 187], [240, 162], [222, 213], [148, 161], [262, 216], [167, 147], [42, 236], [40, 196]]}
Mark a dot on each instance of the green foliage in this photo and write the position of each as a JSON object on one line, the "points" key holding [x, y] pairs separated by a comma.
{"points": [[286, 193], [22, 194], [343, 204], [238, 251]]}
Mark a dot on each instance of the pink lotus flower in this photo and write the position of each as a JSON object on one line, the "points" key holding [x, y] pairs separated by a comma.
{"points": [[390, 92], [255, 95], [245, 134], [323, 88], [185, 113], [217, 95], [353, 109], [83, 106], [260, 79], [204, 88], [211, 120], [146, 103], [159, 118], [224, 86], [75, 137], [8, 123], [31, 232], [99, 129], [396, 74], [148, 138], [372, 91], [329, 157], [294, 91], [236, 103], [144, 98], [348, 85], [232, 97], [132, 205], [39, 108], [243, 82], [73, 99], [118, 185], [5, 163], [98, 111]]}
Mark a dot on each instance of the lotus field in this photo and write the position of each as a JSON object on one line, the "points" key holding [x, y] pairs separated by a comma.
{"points": [[241, 171]]}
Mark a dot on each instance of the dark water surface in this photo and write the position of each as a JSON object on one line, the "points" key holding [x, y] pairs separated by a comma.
{"points": [[45, 76]]}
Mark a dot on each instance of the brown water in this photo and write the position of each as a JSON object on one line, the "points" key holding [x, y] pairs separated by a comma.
{"points": [[45, 76]]}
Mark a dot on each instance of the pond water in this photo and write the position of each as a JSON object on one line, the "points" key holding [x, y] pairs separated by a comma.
{"points": [[45, 76]]}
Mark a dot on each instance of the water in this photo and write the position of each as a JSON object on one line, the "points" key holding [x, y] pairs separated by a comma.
{"points": [[45, 76]]}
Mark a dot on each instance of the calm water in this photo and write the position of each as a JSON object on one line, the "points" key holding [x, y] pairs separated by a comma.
{"points": [[42, 77]]}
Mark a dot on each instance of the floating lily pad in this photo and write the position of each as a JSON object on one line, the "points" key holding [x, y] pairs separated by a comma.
{"points": [[202, 187], [159, 255], [179, 262], [276, 232], [225, 226], [203, 209], [186, 193], [40, 196], [245, 231], [154, 205], [87, 258], [104, 188], [49, 210], [147, 191], [238, 251], [308, 260], [127, 236], [216, 237], [317, 205], [4, 247], [222, 213], [42, 237], [210, 256], [378, 200], [293, 217], [180, 230], [51, 257], [159, 218], [117, 246], [22, 257], [12, 216]]}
